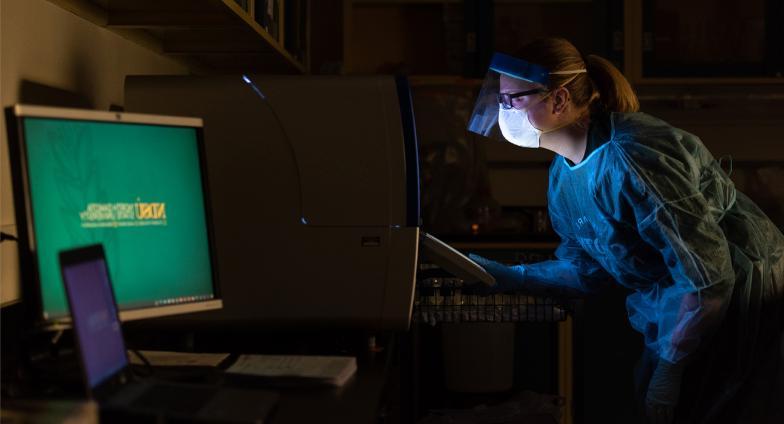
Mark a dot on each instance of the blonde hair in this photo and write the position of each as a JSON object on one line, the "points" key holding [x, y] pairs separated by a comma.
{"points": [[603, 87]]}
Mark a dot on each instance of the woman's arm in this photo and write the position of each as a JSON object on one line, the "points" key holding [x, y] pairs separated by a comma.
{"points": [[673, 216], [573, 274]]}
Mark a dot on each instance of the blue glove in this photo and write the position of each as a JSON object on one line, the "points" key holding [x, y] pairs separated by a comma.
{"points": [[508, 278], [663, 392]]}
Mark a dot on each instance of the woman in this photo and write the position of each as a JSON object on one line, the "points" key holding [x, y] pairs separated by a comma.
{"points": [[644, 204]]}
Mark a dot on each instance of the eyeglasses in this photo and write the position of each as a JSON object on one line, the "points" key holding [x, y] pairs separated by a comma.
{"points": [[505, 99]]}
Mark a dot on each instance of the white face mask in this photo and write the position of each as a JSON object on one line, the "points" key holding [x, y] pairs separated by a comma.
{"points": [[517, 129]]}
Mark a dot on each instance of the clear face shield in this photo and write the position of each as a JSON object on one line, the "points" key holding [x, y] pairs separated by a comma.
{"points": [[512, 87]]}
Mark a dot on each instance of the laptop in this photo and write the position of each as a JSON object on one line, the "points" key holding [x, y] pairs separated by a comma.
{"points": [[105, 365]]}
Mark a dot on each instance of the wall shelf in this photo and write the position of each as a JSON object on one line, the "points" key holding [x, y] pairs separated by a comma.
{"points": [[210, 36]]}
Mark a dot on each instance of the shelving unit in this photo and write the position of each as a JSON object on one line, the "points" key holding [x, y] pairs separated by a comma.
{"points": [[635, 45], [210, 36]]}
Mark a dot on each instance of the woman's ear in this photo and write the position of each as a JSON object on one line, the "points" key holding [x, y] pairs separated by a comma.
{"points": [[561, 100]]}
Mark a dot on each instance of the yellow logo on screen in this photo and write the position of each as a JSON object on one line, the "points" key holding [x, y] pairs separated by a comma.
{"points": [[151, 211], [138, 214]]}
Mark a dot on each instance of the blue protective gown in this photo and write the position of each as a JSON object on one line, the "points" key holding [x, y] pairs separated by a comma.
{"points": [[651, 209]]}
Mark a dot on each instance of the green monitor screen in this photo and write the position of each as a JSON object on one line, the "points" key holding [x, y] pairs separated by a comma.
{"points": [[133, 183]]}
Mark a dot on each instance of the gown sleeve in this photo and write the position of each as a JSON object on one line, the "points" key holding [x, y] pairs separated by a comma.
{"points": [[573, 273], [662, 187]]}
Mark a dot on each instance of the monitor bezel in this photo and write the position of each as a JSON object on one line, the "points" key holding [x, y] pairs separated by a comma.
{"points": [[28, 258]]}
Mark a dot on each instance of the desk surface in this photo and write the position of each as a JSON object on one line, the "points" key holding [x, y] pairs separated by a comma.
{"points": [[49, 411], [357, 401]]}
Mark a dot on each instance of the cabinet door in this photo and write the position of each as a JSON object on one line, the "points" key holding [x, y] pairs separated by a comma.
{"points": [[710, 38]]}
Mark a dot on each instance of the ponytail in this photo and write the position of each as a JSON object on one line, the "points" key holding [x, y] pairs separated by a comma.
{"points": [[615, 92], [602, 88]]}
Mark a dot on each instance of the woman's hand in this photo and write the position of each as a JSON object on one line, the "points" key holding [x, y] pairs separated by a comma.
{"points": [[507, 277], [663, 392]]}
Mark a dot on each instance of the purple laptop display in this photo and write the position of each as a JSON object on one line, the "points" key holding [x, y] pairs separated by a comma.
{"points": [[95, 319]]}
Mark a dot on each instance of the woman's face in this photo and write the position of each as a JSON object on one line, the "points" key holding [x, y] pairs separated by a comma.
{"points": [[535, 105], [511, 85]]}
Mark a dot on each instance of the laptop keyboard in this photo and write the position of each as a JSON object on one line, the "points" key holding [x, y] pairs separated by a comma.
{"points": [[177, 399]]}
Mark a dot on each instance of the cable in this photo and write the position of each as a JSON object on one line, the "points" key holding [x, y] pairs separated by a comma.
{"points": [[6, 236], [285, 133], [248, 81], [144, 360]]}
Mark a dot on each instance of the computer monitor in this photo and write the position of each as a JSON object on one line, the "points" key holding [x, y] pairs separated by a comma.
{"points": [[134, 183]]}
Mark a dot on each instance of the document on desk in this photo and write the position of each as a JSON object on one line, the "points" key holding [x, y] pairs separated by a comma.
{"points": [[162, 358], [296, 369]]}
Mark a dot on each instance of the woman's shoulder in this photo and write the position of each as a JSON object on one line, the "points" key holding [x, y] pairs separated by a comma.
{"points": [[655, 149], [629, 126], [639, 133]]}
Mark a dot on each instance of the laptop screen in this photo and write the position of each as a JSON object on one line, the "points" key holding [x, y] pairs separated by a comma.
{"points": [[95, 319]]}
